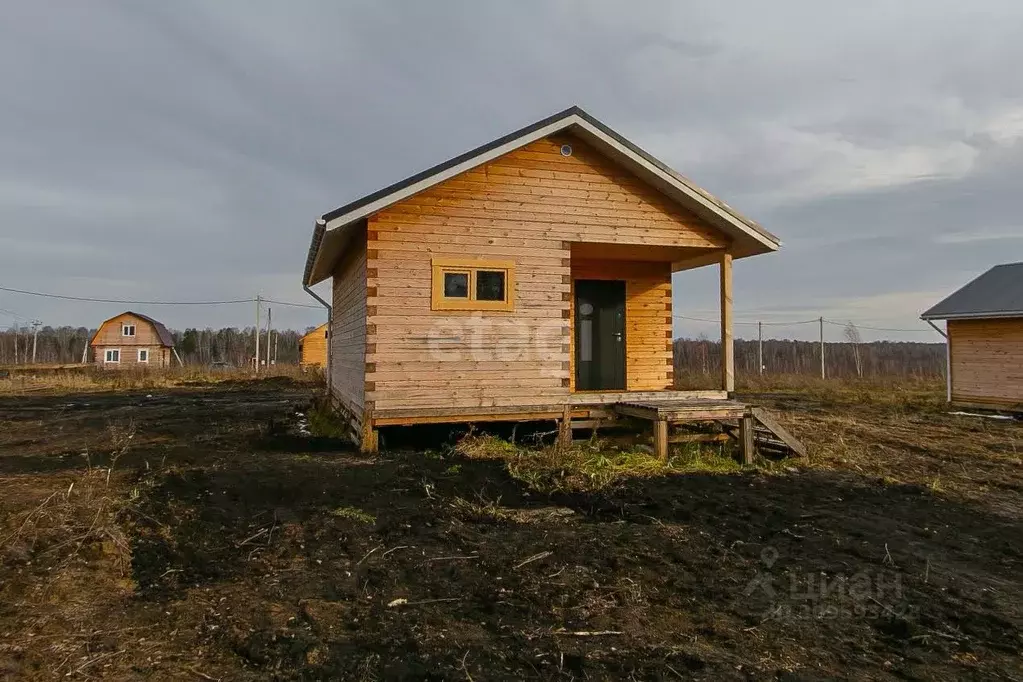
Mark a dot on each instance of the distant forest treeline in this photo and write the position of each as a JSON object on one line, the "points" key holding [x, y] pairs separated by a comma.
{"points": [[844, 359], [235, 346], [64, 345]]}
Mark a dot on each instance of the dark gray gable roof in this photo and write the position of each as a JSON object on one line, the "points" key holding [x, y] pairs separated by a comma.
{"points": [[996, 293], [571, 111], [161, 331], [329, 229]]}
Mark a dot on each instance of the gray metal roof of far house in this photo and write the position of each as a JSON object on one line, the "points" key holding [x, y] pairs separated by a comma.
{"points": [[996, 293]]}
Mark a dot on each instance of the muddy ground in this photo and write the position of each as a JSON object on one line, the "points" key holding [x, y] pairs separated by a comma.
{"points": [[228, 544]]}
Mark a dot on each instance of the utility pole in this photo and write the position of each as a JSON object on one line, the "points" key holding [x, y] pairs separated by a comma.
{"points": [[17, 332], [760, 347], [257, 333], [269, 314], [35, 338], [822, 346]]}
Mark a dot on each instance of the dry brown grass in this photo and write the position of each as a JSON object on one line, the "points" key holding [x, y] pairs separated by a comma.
{"points": [[66, 560], [89, 378], [904, 434]]}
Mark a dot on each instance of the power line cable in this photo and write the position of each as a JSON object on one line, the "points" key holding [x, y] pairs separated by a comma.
{"points": [[766, 324], [127, 302], [294, 305], [877, 329], [799, 322]]}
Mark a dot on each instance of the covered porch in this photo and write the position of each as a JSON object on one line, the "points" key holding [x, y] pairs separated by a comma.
{"points": [[621, 324]]}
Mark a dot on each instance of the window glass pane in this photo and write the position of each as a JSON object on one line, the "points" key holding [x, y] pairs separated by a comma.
{"points": [[456, 285], [490, 285]]}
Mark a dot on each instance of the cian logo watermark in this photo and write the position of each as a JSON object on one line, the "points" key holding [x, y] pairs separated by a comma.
{"points": [[796, 595]]}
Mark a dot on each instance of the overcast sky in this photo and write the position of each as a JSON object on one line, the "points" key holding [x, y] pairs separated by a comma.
{"points": [[182, 150]]}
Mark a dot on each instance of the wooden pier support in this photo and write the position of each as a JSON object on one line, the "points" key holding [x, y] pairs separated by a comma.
{"points": [[747, 445], [565, 429], [661, 439], [369, 440]]}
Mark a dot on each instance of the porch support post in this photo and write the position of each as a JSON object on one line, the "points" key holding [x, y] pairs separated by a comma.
{"points": [[727, 343]]}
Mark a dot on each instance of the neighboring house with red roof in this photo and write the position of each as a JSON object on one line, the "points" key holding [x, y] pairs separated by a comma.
{"points": [[132, 340]]}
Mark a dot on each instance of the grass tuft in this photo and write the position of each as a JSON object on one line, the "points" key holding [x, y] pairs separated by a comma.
{"points": [[353, 514], [325, 422], [591, 466]]}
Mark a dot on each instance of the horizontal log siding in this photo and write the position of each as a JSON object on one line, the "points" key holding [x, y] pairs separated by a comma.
{"points": [[314, 347], [348, 333], [527, 206], [987, 361], [159, 356], [648, 352]]}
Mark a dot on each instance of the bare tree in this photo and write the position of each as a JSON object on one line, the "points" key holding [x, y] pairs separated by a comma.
{"points": [[852, 335]]}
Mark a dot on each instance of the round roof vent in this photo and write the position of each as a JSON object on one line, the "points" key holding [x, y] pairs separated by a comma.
{"points": [[566, 150]]}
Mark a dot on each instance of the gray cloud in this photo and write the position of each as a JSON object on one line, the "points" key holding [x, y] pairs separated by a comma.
{"points": [[181, 150]]}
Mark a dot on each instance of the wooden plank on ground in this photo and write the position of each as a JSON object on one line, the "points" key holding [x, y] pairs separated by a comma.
{"points": [[768, 420], [699, 438]]}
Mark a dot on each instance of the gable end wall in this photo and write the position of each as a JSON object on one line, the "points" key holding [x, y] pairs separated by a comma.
{"points": [[527, 206]]}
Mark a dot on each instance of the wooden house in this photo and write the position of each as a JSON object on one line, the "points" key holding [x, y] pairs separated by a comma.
{"points": [[984, 332], [312, 348], [529, 278], [132, 340]]}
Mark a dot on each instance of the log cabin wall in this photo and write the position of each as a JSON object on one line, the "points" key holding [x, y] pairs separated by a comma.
{"points": [[314, 347], [348, 332], [987, 361], [527, 206], [648, 349]]}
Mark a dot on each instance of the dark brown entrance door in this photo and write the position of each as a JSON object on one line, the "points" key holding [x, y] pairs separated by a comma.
{"points": [[599, 335]]}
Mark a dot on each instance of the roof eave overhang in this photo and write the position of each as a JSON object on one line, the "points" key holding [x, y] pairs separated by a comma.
{"points": [[335, 228], [998, 315]]}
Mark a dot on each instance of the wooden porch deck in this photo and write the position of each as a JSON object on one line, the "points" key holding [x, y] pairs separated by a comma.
{"points": [[752, 426]]}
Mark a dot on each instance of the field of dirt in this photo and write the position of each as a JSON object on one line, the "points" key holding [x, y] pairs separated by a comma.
{"points": [[201, 533]]}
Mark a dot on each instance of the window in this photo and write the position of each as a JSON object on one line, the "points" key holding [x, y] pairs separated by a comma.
{"points": [[127, 330], [143, 355], [112, 355], [468, 284]]}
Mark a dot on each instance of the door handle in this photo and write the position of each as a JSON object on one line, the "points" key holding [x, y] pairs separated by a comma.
{"points": [[618, 337]]}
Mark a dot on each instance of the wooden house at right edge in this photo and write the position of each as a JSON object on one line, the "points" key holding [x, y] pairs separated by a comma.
{"points": [[984, 333], [529, 278]]}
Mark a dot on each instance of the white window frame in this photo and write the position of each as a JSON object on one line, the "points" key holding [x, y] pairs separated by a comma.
{"points": [[140, 352], [106, 356], [125, 330]]}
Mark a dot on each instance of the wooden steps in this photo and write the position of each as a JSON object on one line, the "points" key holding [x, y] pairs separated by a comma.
{"points": [[755, 428]]}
